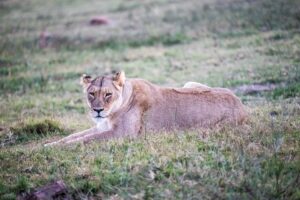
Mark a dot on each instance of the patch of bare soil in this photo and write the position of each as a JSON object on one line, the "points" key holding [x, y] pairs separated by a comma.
{"points": [[255, 88]]}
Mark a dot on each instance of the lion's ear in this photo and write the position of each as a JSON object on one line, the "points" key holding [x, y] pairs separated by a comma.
{"points": [[85, 80], [119, 79]]}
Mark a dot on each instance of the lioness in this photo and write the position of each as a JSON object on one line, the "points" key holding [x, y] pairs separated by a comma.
{"points": [[126, 107]]}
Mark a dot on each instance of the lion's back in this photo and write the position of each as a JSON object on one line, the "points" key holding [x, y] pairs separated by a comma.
{"points": [[181, 108]]}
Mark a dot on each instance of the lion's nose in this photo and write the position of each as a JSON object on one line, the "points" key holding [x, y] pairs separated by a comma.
{"points": [[98, 110]]}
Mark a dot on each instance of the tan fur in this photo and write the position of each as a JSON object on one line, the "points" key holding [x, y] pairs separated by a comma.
{"points": [[129, 107]]}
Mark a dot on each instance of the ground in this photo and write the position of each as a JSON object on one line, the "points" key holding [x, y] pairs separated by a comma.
{"points": [[46, 45]]}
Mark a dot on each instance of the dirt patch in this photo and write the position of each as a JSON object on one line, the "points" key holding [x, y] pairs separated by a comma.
{"points": [[255, 88]]}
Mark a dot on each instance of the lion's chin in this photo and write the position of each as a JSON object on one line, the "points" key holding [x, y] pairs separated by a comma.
{"points": [[97, 119], [103, 123]]}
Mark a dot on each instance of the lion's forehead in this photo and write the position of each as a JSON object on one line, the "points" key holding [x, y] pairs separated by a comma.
{"points": [[95, 88], [101, 84]]}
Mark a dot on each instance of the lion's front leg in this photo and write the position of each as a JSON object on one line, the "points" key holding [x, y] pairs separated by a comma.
{"points": [[126, 126], [74, 136], [94, 136]]}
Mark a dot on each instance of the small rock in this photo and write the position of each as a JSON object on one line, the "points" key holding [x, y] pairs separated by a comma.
{"points": [[274, 113], [55, 190], [99, 20], [44, 39]]}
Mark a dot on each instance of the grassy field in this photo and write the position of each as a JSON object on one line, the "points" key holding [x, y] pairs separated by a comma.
{"points": [[224, 43]]}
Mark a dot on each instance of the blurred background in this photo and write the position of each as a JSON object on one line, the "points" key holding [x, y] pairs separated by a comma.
{"points": [[46, 45]]}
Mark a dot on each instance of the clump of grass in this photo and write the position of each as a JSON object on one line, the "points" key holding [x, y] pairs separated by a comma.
{"points": [[31, 130], [9, 192], [287, 92], [22, 185], [36, 127], [5, 191], [10, 69], [290, 90]]}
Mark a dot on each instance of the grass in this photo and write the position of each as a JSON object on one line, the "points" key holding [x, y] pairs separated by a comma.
{"points": [[287, 92], [31, 130], [223, 44]]}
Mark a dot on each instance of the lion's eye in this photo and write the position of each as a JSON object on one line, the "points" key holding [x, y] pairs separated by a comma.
{"points": [[107, 95], [92, 94]]}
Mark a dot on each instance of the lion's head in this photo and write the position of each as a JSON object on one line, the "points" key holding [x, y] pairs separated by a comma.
{"points": [[104, 94]]}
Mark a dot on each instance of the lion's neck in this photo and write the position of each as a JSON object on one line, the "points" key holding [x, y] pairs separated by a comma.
{"points": [[126, 100], [127, 93]]}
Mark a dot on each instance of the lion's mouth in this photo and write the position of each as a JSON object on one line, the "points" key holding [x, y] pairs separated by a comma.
{"points": [[99, 117]]}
